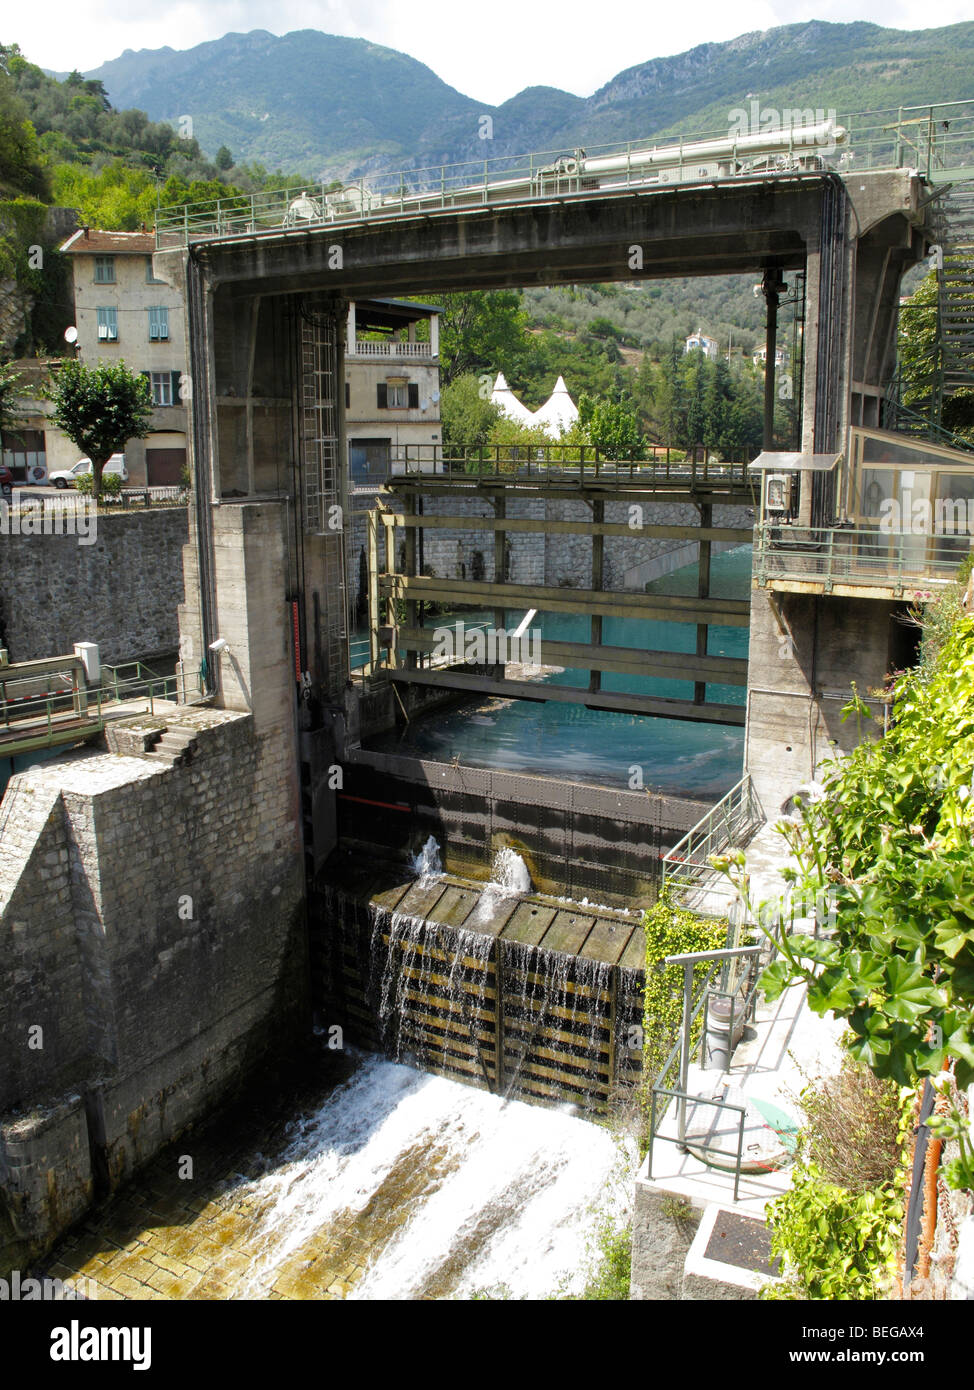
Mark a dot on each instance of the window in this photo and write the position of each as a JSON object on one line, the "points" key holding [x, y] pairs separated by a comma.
{"points": [[397, 395], [150, 279], [108, 324], [161, 383], [104, 270], [159, 325]]}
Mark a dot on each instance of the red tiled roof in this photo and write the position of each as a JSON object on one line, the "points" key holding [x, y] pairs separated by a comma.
{"points": [[98, 243]]}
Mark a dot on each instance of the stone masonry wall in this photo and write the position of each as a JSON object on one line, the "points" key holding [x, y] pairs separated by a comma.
{"points": [[152, 926], [122, 591]]}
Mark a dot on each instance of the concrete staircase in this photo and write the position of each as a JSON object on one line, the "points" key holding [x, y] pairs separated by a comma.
{"points": [[174, 746]]}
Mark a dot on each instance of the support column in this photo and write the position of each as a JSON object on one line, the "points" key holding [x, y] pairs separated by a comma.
{"points": [[706, 511], [598, 548], [771, 286], [409, 507], [500, 545], [390, 567]]}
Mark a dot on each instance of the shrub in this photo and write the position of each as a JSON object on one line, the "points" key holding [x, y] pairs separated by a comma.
{"points": [[837, 1229], [835, 1244], [671, 930], [854, 1128]]}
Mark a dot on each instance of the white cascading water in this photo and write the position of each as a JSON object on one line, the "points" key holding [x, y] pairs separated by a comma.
{"points": [[452, 1190], [509, 878], [427, 864]]}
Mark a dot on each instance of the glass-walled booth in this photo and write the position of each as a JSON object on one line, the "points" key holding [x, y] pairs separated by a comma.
{"points": [[901, 486]]}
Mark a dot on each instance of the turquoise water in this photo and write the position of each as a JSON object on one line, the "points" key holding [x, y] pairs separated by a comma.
{"points": [[673, 756]]}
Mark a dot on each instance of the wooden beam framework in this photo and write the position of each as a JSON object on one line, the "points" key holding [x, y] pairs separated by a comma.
{"points": [[454, 679], [670, 608]]}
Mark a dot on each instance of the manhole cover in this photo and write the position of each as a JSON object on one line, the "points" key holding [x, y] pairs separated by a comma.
{"points": [[744, 1243]]}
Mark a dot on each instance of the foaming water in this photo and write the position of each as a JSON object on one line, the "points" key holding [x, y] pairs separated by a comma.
{"points": [[427, 864], [509, 878], [447, 1190]]}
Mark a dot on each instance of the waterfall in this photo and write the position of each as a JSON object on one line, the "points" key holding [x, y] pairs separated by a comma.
{"points": [[435, 1189]]}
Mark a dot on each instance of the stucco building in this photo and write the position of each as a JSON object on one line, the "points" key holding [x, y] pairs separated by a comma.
{"points": [[392, 386], [123, 313]]}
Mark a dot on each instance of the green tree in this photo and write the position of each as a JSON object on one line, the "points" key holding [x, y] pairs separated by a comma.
{"points": [[478, 329], [100, 408], [613, 428], [466, 414], [21, 165], [224, 159], [919, 350], [8, 391]]}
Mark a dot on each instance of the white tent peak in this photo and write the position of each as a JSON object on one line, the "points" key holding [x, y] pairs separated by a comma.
{"points": [[559, 411], [504, 398]]}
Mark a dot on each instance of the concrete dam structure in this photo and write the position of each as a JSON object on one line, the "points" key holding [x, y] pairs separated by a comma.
{"points": [[291, 836]]}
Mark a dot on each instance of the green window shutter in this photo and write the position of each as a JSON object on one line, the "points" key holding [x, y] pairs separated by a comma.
{"points": [[382, 395], [176, 377], [413, 396]]}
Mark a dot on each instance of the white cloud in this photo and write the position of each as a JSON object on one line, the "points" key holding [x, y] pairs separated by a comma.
{"points": [[488, 49]]}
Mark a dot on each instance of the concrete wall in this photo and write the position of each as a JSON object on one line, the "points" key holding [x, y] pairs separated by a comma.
{"points": [[152, 926], [121, 591], [805, 652]]}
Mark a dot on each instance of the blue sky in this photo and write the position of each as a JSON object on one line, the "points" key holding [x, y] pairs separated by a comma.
{"points": [[488, 49]]}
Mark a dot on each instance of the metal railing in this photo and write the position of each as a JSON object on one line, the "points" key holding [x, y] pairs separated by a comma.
{"points": [[557, 463], [729, 824], [896, 560], [73, 710], [155, 496], [743, 1002], [933, 138]]}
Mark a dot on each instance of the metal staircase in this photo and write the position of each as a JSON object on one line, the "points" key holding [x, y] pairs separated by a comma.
{"points": [[956, 294]]}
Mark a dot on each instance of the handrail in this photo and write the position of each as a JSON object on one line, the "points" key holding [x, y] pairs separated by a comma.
{"points": [[554, 462], [857, 556], [877, 139], [738, 811], [84, 707], [682, 1046]]}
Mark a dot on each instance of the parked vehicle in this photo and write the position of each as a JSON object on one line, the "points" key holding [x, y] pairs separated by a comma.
{"points": [[68, 477], [6, 482]]}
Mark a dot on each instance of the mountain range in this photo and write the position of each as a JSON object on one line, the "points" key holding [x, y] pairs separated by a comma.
{"points": [[334, 107]]}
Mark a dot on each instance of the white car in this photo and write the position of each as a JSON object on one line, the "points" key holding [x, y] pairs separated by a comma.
{"points": [[67, 477]]}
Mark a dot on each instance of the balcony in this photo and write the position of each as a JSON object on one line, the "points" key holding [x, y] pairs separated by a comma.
{"points": [[854, 563], [391, 350]]}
